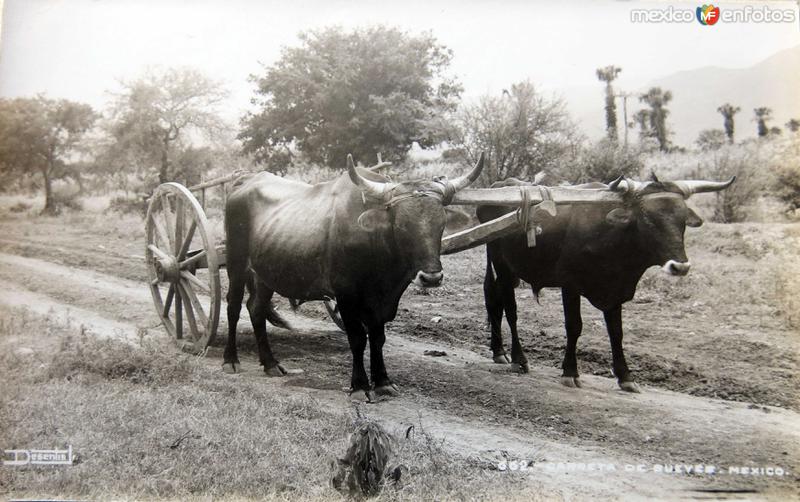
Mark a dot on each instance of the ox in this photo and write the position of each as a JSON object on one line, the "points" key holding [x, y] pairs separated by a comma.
{"points": [[598, 251], [360, 239]]}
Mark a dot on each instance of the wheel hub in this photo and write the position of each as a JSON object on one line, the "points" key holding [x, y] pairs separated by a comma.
{"points": [[168, 270]]}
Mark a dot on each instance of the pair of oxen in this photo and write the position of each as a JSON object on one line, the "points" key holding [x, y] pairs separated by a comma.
{"points": [[362, 239]]}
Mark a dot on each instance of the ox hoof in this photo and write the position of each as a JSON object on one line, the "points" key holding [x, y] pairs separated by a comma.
{"points": [[232, 368], [501, 359], [630, 387], [571, 382], [520, 367], [275, 371], [387, 390], [363, 396]]}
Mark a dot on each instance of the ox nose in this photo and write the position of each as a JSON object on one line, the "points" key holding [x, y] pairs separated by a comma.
{"points": [[673, 267], [428, 280]]}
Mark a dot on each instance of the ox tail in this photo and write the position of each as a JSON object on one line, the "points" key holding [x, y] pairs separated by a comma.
{"points": [[275, 318]]}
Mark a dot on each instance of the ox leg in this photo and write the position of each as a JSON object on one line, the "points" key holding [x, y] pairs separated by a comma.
{"points": [[259, 307], [237, 280], [492, 298], [357, 338], [625, 380], [377, 368], [574, 325], [510, 306]]}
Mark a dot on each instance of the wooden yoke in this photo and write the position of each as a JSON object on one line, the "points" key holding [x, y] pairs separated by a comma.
{"points": [[533, 200]]}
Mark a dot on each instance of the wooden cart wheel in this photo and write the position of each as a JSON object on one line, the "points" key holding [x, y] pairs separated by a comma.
{"points": [[333, 312], [183, 266]]}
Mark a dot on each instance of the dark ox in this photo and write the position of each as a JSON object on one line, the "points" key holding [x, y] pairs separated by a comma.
{"points": [[360, 239], [598, 251]]}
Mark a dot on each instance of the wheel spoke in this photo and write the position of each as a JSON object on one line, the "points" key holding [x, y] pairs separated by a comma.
{"points": [[179, 222], [188, 262], [155, 282], [161, 231], [170, 228], [187, 241], [194, 281], [198, 307], [178, 317], [189, 313], [168, 301], [157, 252]]}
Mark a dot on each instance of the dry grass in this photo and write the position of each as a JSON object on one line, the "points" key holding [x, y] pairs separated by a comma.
{"points": [[149, 423]]}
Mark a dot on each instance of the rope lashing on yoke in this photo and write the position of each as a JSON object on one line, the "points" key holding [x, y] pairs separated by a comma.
{"points": [[524, 218]]}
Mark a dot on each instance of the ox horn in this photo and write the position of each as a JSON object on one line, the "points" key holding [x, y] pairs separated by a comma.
{"points": [[464, 181], [689, 187], [375, 189], [623, 184]]}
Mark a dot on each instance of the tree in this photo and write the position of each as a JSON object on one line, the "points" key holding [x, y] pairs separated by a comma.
{"points": [[657, 100], [521, 131], [793, 125], [156, 116], [608, 75], [728, 111], [366, 91], [763, 114], [642, 119], [712, 139], [42, 136]]}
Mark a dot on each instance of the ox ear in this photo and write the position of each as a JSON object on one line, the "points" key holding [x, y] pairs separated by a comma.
{"points": [[374, 219], [692, 219], [620, 217]]}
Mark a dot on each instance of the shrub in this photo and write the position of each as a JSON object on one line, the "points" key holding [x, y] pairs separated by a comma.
{"points": [[731, 205], [136, 204], [787, 175], [66, 199], [20, 207], [602, 161]]}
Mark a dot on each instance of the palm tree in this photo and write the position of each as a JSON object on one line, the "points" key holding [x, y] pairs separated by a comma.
{"points": [[763, 114], [728, 111], [657, 100], [608, 75]]}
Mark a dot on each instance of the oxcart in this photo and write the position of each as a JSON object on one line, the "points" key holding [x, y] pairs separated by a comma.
{"points": [[184, 256]]}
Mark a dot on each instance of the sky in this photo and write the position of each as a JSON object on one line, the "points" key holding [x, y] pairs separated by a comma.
{"points": [[80, 49]]}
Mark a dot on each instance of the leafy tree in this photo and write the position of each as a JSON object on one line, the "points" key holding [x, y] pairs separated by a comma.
{"points": [[712, 139], [657, 100], [521, 131], [156, 117], [763, 114], [793, 125], [42, 136], [608, 75], [728, 111], [371, 90]]}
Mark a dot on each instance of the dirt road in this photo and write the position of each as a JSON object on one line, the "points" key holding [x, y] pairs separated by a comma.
{"points": [[583, 441]]}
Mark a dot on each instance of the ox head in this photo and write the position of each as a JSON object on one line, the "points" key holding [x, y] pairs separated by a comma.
{"points": [[656, 214], [413, 213]]}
